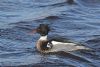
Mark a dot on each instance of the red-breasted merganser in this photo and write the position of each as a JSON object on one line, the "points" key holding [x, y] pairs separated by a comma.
{"points": [[44, 45]]}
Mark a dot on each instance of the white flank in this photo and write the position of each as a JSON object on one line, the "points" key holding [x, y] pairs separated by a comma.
{"points": [[43, 38], [60, 46], [56, 42]]}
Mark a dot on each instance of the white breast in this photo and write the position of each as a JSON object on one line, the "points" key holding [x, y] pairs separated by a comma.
{"points": [[43, 38]]}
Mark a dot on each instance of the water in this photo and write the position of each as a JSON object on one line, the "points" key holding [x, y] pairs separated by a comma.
{"points": [[79, 22]]}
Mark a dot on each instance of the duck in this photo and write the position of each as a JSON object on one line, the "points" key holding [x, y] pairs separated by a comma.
{"points": [[45, 45]]}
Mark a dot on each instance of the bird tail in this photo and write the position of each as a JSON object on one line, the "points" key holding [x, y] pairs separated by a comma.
{"points": [[82, 47]]}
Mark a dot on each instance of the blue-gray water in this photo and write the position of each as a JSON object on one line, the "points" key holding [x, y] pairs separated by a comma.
{"points": [[79, 22]]}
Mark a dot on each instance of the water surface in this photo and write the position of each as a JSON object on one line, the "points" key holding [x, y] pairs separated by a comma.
{"points": [[79, 22]]}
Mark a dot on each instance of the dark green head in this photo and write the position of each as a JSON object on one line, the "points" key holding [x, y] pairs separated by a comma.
{"points": [[43, 29]]}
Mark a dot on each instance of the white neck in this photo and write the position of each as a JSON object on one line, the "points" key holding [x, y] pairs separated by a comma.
{"points": [[43, 38]]}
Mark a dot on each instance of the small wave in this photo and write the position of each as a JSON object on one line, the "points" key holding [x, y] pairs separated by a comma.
{"points": [[74, 56], [89, 3]]}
